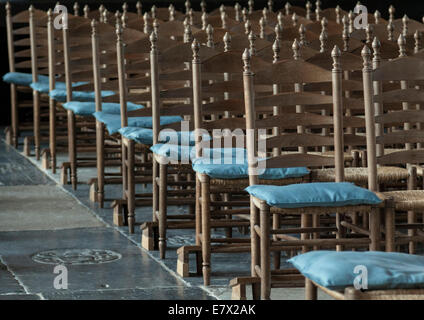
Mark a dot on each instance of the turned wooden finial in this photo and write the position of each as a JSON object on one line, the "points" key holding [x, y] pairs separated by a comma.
{"points": [[153, 40], [246, 61], [101, 9], [294, 19], [227, 42], [336, 54], [195, 47], [251, 5], [117, 17], [377, 17], [187, 6], [308, 6], [265, 14], [118, 31], [390, 30], [369, 32], [94, 27], [171, 10], [139, 7], [146, 18], [76, 9], [405, 21], [318, 10], [392, 11], [366, 56], [252, 39], [203, 6], [376, 46], [8, 8], [204, 20], [323, 38], [153, 12], [338, 12], [287, 8], [124, 20], [224, 20], [276, 49], [124, 8], [278, 32], [31, 11], [86, 11], [351, 17], [271, 6], [262, 25], [221, 8], [237, 9], [345, 34], [324, 24], [302, 35], [418, 40], [209, 36], [402, 45], [296, 49], [191, 16], [244, 13], [188, 35], [49, 16], [155, 25], [280, 20], [247, 27], [105, 13]]}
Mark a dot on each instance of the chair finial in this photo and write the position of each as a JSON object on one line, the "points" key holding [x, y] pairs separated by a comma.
{"points": [[93, 27], [402, 45], [209, 34], [366, 56], [251, 5], [302, 35], [76, 9], [204, 20], [336, 54], [376, 46], [276, 49], [390, 30], [405, 21], [392, 11], [287, 8], [308, 6], [146, 20], [278, 32], [203, 5], [377, 17], [153, 40], [237, 9], [246, 60], [323, 38], [338, 11], [139, 7], [294, 19], [195, 47], [262, 25], [247, 27], [369, 31], [252, 39], [418, 38], [227, 42], [296, 49], [86, 11]]}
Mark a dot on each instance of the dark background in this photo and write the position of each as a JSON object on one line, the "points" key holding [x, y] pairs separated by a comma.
{"points": [[413, 8]]}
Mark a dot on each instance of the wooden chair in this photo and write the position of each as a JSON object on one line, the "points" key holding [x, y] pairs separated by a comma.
{"points": [[261, 210], [406, 70]]}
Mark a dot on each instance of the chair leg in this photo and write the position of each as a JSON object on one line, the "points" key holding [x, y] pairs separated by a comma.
{"points": [[100, 151], [52, 134], [265, 252], [374, 227], [276, 254], [36, 107], [311, 291], [14, 114], [389, 213], [131, 186], [412, 185], [72, 150], [163, 174], [155, 189], [206, 229], [254, 238]]}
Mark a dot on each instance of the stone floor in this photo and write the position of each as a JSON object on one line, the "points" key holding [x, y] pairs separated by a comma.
{"points": [[43, 224]]}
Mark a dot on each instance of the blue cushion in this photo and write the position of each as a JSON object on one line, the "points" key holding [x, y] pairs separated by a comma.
{"points": [[60, 95], [113, 121], [22, 79], [44, 87], [238, 168], [183, 152], [140, 135], [318, 194], [88, 108], [386, 270]]}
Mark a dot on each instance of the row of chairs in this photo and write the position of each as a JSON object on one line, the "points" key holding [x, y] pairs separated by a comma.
{"points": [[257, 141]]}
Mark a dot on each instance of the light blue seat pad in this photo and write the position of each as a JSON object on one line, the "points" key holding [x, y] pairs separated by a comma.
{"points": [[385, 270], [23, 79], [317, 194], [113, 121], [140, 135], [236, 167], [89, 108], [60, 95], [44, 87], [183, 152]]}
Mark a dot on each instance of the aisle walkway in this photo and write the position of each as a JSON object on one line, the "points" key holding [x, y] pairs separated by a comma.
{"points": [[42, 225]]}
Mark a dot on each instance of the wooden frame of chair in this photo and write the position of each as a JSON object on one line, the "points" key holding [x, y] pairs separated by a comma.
{"points": [[261, 214]]}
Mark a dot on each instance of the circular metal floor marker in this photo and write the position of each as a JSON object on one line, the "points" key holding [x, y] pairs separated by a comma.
{"points": [[76, 256]]}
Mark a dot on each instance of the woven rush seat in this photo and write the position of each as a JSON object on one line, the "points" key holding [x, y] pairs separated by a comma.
{"points": [[407, 199], [385, 175], [241, 184]]}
